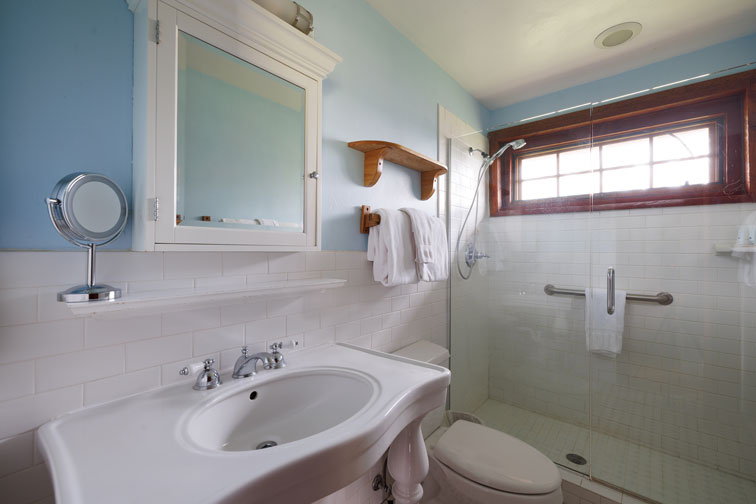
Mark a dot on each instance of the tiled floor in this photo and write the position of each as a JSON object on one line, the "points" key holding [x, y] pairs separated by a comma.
{"points": [[639, 470]]}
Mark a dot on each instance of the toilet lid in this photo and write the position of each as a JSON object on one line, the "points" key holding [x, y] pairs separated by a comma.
{"points": [[496, 460]]}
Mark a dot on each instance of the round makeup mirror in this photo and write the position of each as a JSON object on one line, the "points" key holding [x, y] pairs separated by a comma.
{"points": [[89, 210]]}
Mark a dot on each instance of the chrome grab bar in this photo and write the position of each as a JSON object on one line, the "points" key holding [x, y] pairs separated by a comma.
{"points": [[663, 298], [610, 291]]}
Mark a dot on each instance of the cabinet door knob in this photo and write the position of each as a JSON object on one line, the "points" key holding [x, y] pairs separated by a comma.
{"points": [[314, 175]]}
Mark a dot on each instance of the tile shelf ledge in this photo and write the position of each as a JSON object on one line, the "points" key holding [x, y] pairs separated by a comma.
{"points": [[728, 248], [181, 299]]}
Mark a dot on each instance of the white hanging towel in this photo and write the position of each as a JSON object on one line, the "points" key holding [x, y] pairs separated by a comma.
{"points": [[431, 247], [603, 332], [390, 248]]}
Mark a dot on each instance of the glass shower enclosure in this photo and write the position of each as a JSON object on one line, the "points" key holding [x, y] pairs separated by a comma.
{"points": [[671, 418]]}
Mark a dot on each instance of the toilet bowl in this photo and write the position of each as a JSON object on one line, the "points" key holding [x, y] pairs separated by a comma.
{"points": [[474, 464]]}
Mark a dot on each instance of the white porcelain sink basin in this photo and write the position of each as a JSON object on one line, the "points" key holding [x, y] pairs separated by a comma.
{"points": [[279, 411], [333, 411]]}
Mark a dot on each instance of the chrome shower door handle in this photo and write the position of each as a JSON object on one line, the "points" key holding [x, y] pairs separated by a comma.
{"points": [[610, 291]]}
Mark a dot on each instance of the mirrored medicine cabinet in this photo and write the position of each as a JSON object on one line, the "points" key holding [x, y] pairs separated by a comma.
{"points": [[227, 105]]}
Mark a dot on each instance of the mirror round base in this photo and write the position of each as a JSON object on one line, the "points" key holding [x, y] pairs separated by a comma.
{"points": [[84, 293]]}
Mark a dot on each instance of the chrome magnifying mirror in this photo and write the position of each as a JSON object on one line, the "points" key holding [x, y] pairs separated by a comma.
{"points": [[89, 210]]}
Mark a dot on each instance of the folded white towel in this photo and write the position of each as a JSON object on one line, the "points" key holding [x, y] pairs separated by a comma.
{"points": [[603, 332], [390, 249], [261, 222], [431, 247], [249, 222]]}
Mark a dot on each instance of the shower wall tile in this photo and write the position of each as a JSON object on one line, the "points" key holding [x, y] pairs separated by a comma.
{"points": [[683, 381], [61, 363]]}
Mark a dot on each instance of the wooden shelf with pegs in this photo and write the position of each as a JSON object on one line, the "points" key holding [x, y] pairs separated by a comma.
{"points": [[377, 151]]}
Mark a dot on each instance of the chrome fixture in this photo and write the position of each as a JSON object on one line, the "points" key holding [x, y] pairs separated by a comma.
{"points": [[610, 291], [663, 298], [291, 12], [483, 153], [278, 358], [89, 210], [208, 378], [246, 365], [471, 253]]}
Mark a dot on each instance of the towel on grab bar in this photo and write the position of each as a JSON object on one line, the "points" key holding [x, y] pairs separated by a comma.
{"points": [[603, 332], [390, 248], [431, 247]]}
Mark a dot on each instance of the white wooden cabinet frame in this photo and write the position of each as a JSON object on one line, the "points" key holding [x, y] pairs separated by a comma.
{"points": [[251, 33]]}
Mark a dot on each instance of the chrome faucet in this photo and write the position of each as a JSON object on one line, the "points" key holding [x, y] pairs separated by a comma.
{"points": [[246, 365]]}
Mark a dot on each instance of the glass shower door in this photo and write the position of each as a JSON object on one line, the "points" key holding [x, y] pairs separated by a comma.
{"points": [[518, 355], [672, 412]]}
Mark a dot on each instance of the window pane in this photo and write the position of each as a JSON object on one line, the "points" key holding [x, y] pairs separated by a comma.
{"points": [[680, 173], [538, 166], [626, 179], [537, 189], [632, 152], [572, 185], [682, 144], [578, 160]]}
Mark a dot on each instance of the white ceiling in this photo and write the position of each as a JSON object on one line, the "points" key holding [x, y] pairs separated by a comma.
{"points": [[507, 51]]}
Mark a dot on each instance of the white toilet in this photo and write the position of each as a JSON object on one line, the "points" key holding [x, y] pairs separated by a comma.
{"points": [[474, 464]]}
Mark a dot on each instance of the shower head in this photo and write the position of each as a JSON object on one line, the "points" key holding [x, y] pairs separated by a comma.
{"points": [[515, 144]]}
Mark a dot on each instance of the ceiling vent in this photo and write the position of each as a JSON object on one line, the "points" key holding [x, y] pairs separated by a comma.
{"points": [[617, 35]]}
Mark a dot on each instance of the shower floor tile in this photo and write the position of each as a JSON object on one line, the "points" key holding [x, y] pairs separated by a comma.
{"points": [[657, 476]]}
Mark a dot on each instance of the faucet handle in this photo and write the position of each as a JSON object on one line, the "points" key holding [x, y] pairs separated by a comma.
{"points": [[244, 351], [208, 378], [278, 358]]}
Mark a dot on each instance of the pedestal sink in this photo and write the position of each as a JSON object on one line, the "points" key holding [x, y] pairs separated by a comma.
{"points": [[290, 435], [284, 409]]}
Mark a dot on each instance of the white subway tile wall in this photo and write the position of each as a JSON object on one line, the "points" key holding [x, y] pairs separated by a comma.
{"points": [[685, 382], [53, 363]]}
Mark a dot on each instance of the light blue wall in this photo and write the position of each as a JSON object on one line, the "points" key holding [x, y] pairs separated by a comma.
{"points": [[385, 89], [65, 97], [708, 60], [65, 106]]}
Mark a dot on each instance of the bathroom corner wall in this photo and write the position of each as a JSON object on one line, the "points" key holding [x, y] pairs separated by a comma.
{"points": [[53, 363]]}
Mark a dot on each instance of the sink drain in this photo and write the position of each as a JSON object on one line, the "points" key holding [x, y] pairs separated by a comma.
{"points": [[266, 444], [576, 459]]}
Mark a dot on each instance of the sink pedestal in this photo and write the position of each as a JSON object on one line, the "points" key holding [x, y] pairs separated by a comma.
{"points": [[408, 464]]}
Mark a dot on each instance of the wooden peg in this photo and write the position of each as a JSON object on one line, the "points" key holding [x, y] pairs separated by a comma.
{"points": [[367, 219]]}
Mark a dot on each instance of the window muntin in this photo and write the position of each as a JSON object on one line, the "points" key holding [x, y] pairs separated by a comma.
{"points": [[728, 104], [673, 157]]}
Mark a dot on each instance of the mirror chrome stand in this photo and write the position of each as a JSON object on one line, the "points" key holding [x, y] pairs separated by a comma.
{"points": [[82, 231], [91, 291]]}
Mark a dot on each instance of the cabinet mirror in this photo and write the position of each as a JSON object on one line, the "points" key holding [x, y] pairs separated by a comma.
{"points": [[240, 143]]}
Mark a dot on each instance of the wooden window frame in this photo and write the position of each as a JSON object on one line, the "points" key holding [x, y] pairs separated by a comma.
{"points": [[730, 99]]}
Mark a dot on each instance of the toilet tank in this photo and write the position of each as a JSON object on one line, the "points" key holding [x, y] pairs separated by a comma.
{"points": [[426, 351]]}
